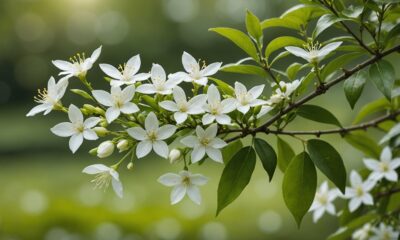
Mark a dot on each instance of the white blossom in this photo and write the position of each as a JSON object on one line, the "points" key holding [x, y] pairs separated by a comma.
{"points": [[313, 53], [152, 137], [49, 98], [323, 201], [77, 129], [363, 233], [183, 183], [194, 73], [128, 74], [358, 193], [384, 232], [205, 142], [216, 109], [159, 83], [78, 65], [385, 168], [117, 101], [246, 99], [182, 107], [105, 149], [105, 175], [174, 156]]}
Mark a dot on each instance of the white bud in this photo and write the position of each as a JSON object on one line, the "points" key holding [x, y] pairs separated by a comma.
{"points": [[105, 149], [130, 166], [174, 156], [123, 145], [101, 131]]}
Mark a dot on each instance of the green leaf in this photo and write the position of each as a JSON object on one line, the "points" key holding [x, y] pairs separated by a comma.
{"points": [[317, 114], [354, 85], [361, 141], [338, 63], [82, 93], [245, 69], [226, 88], [239, 38], [303, 13], [267, 156], [281, 42], [285, 154], [235, 177], [299, 186], [329, 161], [150, 101], [229, 151], [325, 22], [253, 27], [394, 32], [370, 108], [278, 22], [383, 75], [292, 70]]}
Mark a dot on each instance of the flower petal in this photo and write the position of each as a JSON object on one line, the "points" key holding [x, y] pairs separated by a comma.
{"points": [[170, 179], [103, 97], [211, 69], [208, 118], [213, 94], [128, 93], [190, 141], [39, 108], [95, 55], [112, 113], [166, 131], [354, 204], [137, 133], [75, 142], [143, 148], [151, 122], [134, 63], [65, 129], [111, 71], [91, 122], [75, 115], [189, 63], [256, 91], [328, 49], [177, 194], [158, 73], [198, 179], [228, 105], [129, 108], [211, 131], [146, 89], [217, 143], [95, 169], [90, 134], [117, 186], [180, 117], [214, 154], [197, 153], [223, 119], [161, 148], [169, 105], [194, 194]]}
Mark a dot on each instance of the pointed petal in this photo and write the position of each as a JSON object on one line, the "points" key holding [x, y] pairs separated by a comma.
{"points": [[207, 119], [90, 134], [95, 169], [211, 131], [211, 69], [95, 55], [190, 141], [194, 194], [179, 95], [161, 148], [151, 122], [354, 204], [65, 129], [141, 76], [214, 154], [180, 117], [371, 164], [177, 194], [111, 71], [63, 65], [228, 105], [143, 148], [128, 93], [223, 119], [166, 131], [355, 178], [103, 97], [134, 63], [213, 94], [257, 90], [169, 105], [158, 73], [217, 143], [198, 179], [137, 133], [146, 89], [386, 155], [299, 52], [112, 113], [170, 179], [197, 153], [117, 186], [75, 115], [39, 108], [75, 142], [189, 63], [129, 108], [328, 49]]}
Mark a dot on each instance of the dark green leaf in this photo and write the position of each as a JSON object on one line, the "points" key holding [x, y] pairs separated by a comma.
{"points": [[370, 108], [279, 22], [299, 186], [226, 88], [329, 161], [318, 114], [235, 177], [281, 42], [338, 63], [325, 22], [383, 75], [267, 156], [292, 70], [238, 38], [364, 143], [253, 27], [244, 69], [285, 154], [354, 85], [229, 151]]}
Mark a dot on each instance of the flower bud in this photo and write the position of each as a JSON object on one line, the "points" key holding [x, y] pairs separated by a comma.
{"points": [[99, 111], [123, 145], [89, 108], [105, 149], [93, 151], [129, 166], [103, 123], [174, 156], [101, 131]]}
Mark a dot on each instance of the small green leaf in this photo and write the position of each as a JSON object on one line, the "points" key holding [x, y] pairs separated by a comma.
{"points": [[281, 42], [240, 39], [82, 93], [329, 161], [285, 154], [299, 186], [229, 151], [362, 142], [325, 22], [235, 177], [383, 75], [353, 87], [267, 155], [370, 108], [226, 88], [292, 70], [245, 69], [253, 27], [150, 101], [317, 114], [279, 22]]}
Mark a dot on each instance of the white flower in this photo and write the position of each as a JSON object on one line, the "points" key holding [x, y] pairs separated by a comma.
{"points": [[182, 107], [159, 83], [384, 232], [152, 137], [394, 131], [217, 109], [118, 101], [105, 175], [182, 183], [264, 110], [206, 142], [246, 99], [78, 65], [358, 193], [77, 129], [50, 97], [174, 156], [194, 73], [128, 74], [363, 233], [283, 92], [123, 145], [313, 53], [105, 149], [323, 201], [385, 168]]}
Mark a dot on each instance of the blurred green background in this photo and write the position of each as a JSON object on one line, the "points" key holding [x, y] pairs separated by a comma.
{"points": [[43, 194]]}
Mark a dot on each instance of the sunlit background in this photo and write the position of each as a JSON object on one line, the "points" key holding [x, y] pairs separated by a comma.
{"points": [[43, 194]]}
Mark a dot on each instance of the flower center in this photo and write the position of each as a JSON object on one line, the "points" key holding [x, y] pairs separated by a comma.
{"points": [[359, 191], [152, 135], [384, 167], [183, 107], [186, 181], [43, 96], [102, 180], [205, 141], [322, 199]]}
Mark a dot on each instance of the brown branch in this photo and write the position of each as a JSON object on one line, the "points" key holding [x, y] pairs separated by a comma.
{"points": [[387, 193], [319, 91]]}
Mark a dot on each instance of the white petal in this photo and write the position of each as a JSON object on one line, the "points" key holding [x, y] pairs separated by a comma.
{"points": [[198, 153], [318, 214], [117, 186], [328, 49], [386, 155], [354, 204], [39, 108], [177, 194], [137, 133], [190, 141], [95, 169], [200, 132], [228, 105], [355, 178], [75, 142], [128, 93], [211, 131], [211, 69], [158, 73], [103, 97], [169, 105], [391, 176], [75, 115], [95, 55], [214, 154], [90, 134], [243, 109], [202, 81], [223, 119], [198, 179], [179, 94], [117, 83], [395, 163], [141, 76], [213, 94], [166, 131], [112, 113], [161, 148], [151, 122], [299, 52], [91, 122], [143, 148], [198, 101], [129, 108], [207, 119], [367, 199], [134, 63], [371, 164], [111, 71], [194, 194], [217, 143], [170, 179], [257, 90], [180, 117], [189, 63], [63, 65], [146, 89], [65, 129]]}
